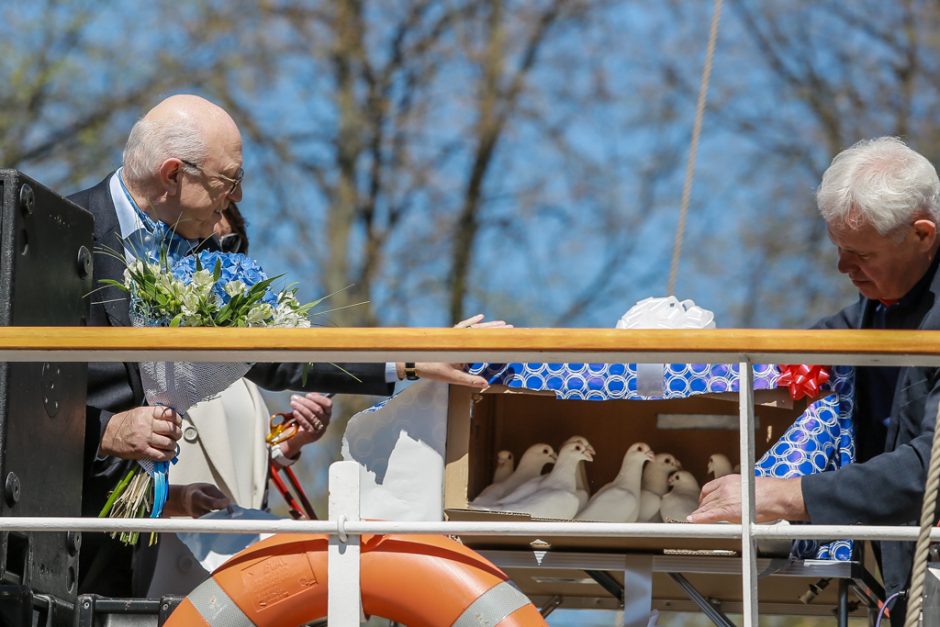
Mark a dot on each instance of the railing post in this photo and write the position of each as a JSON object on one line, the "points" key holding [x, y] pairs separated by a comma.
{"points": [[344, 606], [637, 590], [748, 543]]}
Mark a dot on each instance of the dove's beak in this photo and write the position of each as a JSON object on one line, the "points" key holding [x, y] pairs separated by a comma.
{"points": [[589, 454]]}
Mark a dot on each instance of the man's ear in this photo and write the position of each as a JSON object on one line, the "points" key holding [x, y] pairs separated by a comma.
{"points": [[171, 172], [926, 232]]}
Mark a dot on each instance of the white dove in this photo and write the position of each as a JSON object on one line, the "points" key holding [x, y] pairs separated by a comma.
{"points": [[719, 465], [636, 447], [555, 496], [682, 498], [655, 485], [619, 500], [530, 467], [504, 466], [583, 491], [534, 483]]}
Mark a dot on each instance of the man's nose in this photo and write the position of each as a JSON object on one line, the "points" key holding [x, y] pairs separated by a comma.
{"points": [[236, 194], [844, 265]]}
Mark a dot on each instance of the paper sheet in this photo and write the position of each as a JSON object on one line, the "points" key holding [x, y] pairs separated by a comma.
{"points": [[399, 446]]}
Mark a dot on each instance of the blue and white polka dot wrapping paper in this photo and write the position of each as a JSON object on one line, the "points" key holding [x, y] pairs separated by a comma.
{"points": [[603, 382], [821, 439]]}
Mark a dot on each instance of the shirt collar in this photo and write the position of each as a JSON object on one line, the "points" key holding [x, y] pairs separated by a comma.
{"points": [[141, 235]]}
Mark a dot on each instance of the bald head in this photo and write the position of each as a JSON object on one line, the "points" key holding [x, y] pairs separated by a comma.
{"points": [[178, 127], [179, 162], [189, 110]]}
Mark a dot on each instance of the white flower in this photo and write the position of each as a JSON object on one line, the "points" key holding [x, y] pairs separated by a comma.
{"points": [[287, 297], [202, 280], [286, 316], [190, 301], [259, 314], [235, 288]]}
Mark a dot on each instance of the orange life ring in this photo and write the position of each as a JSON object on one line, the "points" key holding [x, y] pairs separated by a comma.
{"points": [[418, 580]]}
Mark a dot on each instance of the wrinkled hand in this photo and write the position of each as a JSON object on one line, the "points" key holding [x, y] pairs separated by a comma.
{"points": [[454, 373], [194, 499], [774, 499], [142, 433]]}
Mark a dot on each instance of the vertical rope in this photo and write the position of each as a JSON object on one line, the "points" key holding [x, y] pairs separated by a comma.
{"points": [[693, 147], [919, 569]]}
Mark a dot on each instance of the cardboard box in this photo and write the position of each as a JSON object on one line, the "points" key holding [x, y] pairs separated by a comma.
{"points": [[481, 424]]}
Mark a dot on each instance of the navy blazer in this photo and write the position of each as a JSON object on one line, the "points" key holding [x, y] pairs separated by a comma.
{"points": [[116, 387], [887, 489]]}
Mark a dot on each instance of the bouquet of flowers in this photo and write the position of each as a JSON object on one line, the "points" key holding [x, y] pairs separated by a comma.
{"points": [[204, 290]]}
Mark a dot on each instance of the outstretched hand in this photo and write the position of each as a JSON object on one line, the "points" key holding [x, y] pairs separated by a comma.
{"points": [[454, 373]]}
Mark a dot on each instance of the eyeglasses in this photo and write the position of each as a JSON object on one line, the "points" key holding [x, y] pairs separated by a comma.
{"points": [[230, 243], [234, 182]]}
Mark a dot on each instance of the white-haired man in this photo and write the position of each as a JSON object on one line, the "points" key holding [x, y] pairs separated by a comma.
{"points": [[182, 168], [881, 203]]}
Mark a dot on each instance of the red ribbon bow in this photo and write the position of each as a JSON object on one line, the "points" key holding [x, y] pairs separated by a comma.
{"points": [[803, 380]]}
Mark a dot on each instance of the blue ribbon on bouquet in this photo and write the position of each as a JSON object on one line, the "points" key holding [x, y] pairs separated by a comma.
{"points": [[160, 472]]}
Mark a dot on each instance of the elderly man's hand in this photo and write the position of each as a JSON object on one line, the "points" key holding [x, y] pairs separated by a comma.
{"points": [[194, 499], [774, 499], [142, 433]]}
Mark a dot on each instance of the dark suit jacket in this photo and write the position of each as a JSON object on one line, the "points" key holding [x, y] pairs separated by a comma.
{"points": [[116, 387], [887, 489]]}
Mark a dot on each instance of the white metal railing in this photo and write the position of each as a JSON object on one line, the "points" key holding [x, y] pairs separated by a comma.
{"points": [[344, 525]]}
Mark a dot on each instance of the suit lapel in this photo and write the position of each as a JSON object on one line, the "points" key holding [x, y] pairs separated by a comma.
{"points": [[110, 301], [108, 238]]}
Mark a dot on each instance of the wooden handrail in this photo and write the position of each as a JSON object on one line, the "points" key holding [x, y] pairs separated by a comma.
{"points": [[851, 347]]}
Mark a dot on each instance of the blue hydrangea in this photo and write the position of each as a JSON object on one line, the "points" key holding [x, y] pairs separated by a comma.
{"points": [[234, 267]]}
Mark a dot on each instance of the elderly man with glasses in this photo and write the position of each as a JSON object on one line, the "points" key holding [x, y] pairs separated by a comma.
{"points": [[182, 168]]}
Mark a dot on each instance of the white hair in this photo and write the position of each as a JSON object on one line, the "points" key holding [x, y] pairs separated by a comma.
{"points": [[151, 142], [880, 182]]}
